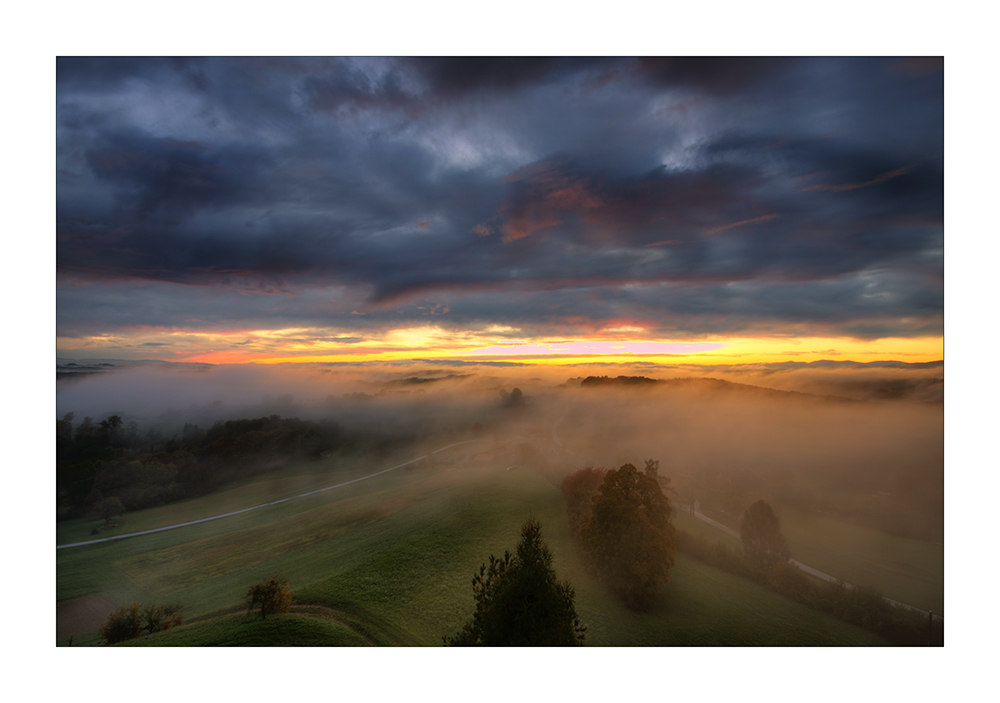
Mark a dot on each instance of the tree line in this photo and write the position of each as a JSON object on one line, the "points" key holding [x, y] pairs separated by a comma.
{"points": [[97, 461]]}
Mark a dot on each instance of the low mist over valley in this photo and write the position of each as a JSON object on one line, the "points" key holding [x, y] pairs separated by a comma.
{"points": [[870, 446], [852, 472]]}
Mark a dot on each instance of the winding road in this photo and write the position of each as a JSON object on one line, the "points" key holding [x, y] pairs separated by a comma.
{"points": [[263, 505]]}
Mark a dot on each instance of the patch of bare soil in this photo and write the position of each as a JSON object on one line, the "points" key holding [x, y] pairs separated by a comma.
{"points": [[82, 615]]}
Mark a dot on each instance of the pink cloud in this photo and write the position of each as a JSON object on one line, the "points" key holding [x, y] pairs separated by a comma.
{"points": [[755, 220], [854, 186], [551, 194]]}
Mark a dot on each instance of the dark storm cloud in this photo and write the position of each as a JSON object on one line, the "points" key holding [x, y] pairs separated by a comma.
{"points": [[352, 88], [482, 181], [458, 75], [176, 176], [102, 72], [711, 74]]}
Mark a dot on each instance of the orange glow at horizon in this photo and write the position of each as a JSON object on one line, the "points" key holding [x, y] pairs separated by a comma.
{"points": [[620, 344], [709, 352]]}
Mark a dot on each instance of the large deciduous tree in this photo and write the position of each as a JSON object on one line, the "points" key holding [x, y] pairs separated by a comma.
{"points": [[629, 540], [760, 532], [519, 601]]}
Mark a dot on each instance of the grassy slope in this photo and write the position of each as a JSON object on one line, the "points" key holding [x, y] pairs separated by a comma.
{"points": [[301, 478], [700, 528], [240, 631], [398, 553], [909, 570]]}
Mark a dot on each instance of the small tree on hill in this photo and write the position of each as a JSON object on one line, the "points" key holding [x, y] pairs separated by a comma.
{"points": [[629, 540], [760, 531], [519, 602], [271, 595]]}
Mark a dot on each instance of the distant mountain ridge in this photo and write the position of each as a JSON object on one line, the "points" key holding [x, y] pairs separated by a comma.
{"points": [[716, 384], [76, 368]]}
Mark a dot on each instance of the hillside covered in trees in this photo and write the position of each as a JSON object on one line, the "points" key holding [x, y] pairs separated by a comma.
{"points": [[96, 461]]}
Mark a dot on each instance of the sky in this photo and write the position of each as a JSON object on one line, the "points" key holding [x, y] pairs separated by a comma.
{"points": [[536, 210]]}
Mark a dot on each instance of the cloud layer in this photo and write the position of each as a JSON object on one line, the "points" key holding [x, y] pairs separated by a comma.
{"points": [[687, 197]]}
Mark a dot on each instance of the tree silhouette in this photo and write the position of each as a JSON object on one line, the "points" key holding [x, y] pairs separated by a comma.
{"points": [[271, 595], [629, 540], [519, 602], [579, 489], [760, 531], [108, 509]]}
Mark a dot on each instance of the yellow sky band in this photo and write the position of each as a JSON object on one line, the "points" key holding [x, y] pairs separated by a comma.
{"points": [[733, 351]]}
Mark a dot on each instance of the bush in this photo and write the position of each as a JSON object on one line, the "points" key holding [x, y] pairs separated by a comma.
{"points": [[131, 621], [158, 618], [123, 624]]}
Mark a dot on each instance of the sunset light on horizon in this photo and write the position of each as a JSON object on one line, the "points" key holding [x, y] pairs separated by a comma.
{"points": [[733, 351], [357, 210]]}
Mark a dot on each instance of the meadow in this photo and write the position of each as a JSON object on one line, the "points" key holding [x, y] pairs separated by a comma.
{"points": [[905, 569], [867, 511], [389, 561]]}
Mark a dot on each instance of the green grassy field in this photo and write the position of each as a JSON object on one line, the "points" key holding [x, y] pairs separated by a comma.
{"points": [[393, 558], [844, 540], [298, 479], [908, 570], [700, 528], [240, 631]]}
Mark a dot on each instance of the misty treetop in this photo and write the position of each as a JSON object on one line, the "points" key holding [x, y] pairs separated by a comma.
{"points": [[578, 489], [621, 519], [760, 532]]}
